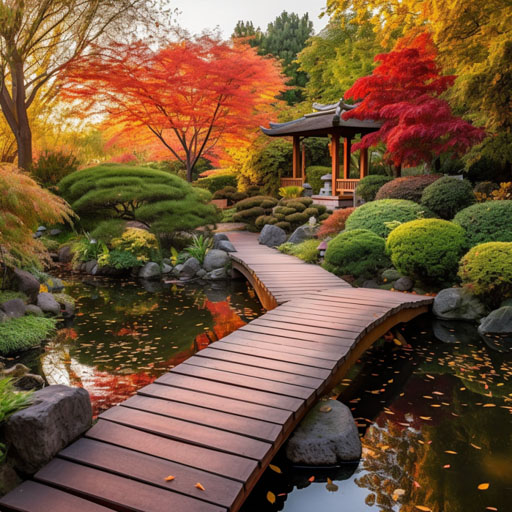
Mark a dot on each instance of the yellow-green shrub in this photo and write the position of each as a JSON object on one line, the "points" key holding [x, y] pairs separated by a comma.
{"points": [[138, 242]]}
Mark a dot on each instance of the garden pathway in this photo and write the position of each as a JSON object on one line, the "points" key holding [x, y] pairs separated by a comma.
{"points": [[215, 422]]}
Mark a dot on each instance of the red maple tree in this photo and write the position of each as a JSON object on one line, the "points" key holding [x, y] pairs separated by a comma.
{"points": [[189, 97], [403, 93]]}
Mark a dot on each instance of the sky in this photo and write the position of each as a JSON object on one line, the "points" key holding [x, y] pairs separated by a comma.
{"points": [[197, 15]]}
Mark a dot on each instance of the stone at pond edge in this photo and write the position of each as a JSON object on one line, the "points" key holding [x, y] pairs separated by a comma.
{"points": [[150, 270], [33, 310], [303, 233], [189, 269], [58, 415], [404, 284], [55, 232], [166, 269], [218, 238], [54, 284], [371, 283], [14, 308], [201, 273], [272, 236], [325, 438], [26, 283], [391, 274], [215, 259], [457, 304], [226, 246], [46, 301], [452, 331], [90, 266], [217, 274], [497, 322], [65, 254]]}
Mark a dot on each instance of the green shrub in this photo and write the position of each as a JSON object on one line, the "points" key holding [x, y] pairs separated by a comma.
{"points": [[313, 175], [324, 216], [306, 251], [446, 196], [368, 187], [6, 295], [284, 210], [52, 166], [486, 271], [161, 200], [409, 187], [377, 214], [64, 299], [306, 201], [486, 222], [299, 207], [217, 182], [283, 225], [359, 252], [50, 245], [227, 215], [87, 249], [291, 192], [121, 260], [23, 333], [11, 400], [427, 249], [231, 194], [108, 230], [248, 215], [251, 202], [265, 219], [199, 247], [296, 218]]}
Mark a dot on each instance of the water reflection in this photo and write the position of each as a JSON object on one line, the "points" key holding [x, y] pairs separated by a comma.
{"points": [[125, 336]]}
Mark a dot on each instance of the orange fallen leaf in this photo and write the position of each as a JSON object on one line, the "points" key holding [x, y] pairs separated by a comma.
{"points": [[450, 452], [483, 487], [271, 497], [446, 466], [200, 487], [275, 468], [169, 478], [325, 408], [424, 509], [311, 479]]}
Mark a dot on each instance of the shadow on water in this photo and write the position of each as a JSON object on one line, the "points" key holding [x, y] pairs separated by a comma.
{"points": [[125, 335], [435, 419]]}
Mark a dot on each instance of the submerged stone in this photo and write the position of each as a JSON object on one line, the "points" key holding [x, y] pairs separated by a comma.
{"points": [[454, 331]]}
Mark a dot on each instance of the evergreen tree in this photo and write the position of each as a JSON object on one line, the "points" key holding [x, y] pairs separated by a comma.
{"points": [[246, 30]]}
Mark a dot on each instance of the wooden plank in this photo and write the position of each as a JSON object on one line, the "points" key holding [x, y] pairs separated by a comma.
{"points": [[341, 321], [153, 470], [298, 325], [229, 391], [219, 463], [221, 420], [113, 490], [35, 497], [189, 432], [217, 403]]}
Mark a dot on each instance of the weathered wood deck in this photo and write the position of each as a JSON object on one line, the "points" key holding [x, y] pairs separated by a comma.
{"points": [[218, 418]]}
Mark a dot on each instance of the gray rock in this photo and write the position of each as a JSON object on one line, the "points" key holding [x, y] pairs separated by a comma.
{"points": [[152, 286], [37, 234], [226, 246], [54, 284], [455, 331], [55, 232], [177, 269], [46, 301], [9, 479], [150, 270], [215, 259], [25, 282], [272, 236], [303, 233], [498, 321], [167, 261], [136, 224], [14, 308], [65, 254], [57, 416], [201, 273], [391, 274], [457, 304], [371, 284], [404, 284], [217, 274], [325, 438], [30, 381], [33, 310], [189, 269], [219, 237], [166, 269], [41, 229], [90, 265]]}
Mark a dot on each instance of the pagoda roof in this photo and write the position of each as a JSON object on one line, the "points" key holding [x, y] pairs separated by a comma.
{"points": [[327, 120]]}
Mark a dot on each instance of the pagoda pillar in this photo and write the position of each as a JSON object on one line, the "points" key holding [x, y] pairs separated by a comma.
{"points": [[335, 157], [296, 156], [363, 163], [347, 145]]}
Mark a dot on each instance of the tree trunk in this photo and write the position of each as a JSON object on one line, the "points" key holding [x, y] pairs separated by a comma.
{"points": [[397, 171], [24, 142]]}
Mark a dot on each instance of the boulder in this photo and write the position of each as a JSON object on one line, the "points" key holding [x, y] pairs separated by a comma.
{"points": [[166, 269], [272, 236], [404, 284], [41, 229], [371, 283], [217, 274], [189, 269], [33, 310], [226, 246], [455, 331], [507, 302], [29, 381], [55, 232], [150, 270], [26, 283], [14, 308], [219, 237], [136, 224], [215, 259], [391, 274], [65, 254], [54, 284], [303, 233], [326, 436], [57, 416], [177, 269], [90, 266], [46, 301], [9, 479], [201, 273], [457, 304], [498, 322]]}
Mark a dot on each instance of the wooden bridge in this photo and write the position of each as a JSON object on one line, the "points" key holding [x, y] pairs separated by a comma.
{"points": [[215, 421]]}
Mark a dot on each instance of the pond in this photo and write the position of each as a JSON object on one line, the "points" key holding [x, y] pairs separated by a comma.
{"points": [[124, 335], [436, 426]]}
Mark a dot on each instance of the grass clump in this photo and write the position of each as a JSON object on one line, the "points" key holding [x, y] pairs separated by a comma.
{"points": [[23, 333], [6, 295], [306, 251], [11, 400]]}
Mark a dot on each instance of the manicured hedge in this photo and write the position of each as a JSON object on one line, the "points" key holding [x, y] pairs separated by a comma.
{"points": [[486, 222], [368, 187], [359, 252], [409, 187], [217, 182], [313, 175], [428, 249], [376, 214], [447, 196]]}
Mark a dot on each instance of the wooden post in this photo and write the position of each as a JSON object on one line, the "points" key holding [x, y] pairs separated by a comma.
{"points": [[303, 162], [363, 163], [335, 156], [296, 156], [346, 158]]}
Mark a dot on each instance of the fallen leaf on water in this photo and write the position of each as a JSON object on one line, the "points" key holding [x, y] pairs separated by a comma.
{"points": [[271, 497], [311, 479], [491, 508], [483, 487], [200, 487], [476, 447], [446, 466], [169, 478], [425, 509], [275, 468], [426, 418], [325, 408], [451, 452], [489, 405]]}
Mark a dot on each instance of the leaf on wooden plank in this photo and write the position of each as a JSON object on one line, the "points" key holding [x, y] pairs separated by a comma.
{"points": [[200, 487], [169, 478]]}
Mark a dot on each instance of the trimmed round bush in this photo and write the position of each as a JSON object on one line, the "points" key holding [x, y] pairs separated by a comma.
{"points": [[409, 187], [265, 219], [376, 214], [251, 202], [335, 222], [283, 225], [486, 271], [368, 187], [446, 196], [427, 249], [359, 252], [486, 222]]}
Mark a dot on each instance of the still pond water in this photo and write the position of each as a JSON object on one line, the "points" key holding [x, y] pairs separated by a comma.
{"points": [[435, 417]]}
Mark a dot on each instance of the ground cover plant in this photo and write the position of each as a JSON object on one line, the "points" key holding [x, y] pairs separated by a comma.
{"points": [[17, 334], [306, 251], [11, 400]]}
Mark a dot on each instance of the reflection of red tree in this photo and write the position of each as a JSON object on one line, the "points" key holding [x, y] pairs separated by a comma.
{"points": [[225, 319]]}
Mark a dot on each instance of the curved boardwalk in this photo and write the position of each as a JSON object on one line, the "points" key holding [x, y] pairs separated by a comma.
{"points": [[218, 418]]}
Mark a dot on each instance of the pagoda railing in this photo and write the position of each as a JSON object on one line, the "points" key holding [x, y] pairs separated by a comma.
{"points": [[346, 187], [292, 182]]}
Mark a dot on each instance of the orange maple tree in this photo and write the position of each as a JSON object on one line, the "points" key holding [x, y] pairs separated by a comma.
{"points": [[191, 97]]}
